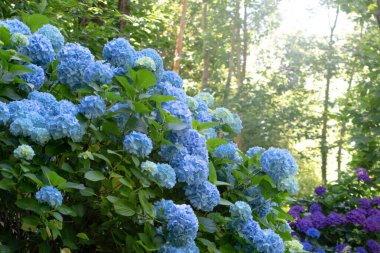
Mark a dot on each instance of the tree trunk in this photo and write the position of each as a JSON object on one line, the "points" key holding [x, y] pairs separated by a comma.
{"points": [[329, 76], [231, 64], [205, 50], [124, 9], [245, 40], [377, 14], [178, 48]]}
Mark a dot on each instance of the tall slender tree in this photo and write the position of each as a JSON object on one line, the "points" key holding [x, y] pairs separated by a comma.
{"points": [[205, 49], [178, 48]]}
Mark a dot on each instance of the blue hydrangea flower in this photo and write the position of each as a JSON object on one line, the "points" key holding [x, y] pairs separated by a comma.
{"points": [[204, 196], [138, 144], [47, 100], [174, 155], [182, 226], [40, 135], [241, 210], [24, 152], [203, 117], [92, 107], [35, 79], [165, 175], [206, 97], [264, 209], [50, 196], [246, 229], [209, 133], [73, 60], [179, 110], [98, 72], [202, 105], [119, 71], [278, 164], [4, 113], [66, 107], [15, 26], [119, 53], [307, 246], [19, 40], [54, 35], [145, 63], [21, 127], [65, 125], [192, 170], [189, 248], [228, 151], [223, 115], [192, 103], [288, 184], [165, 88], [313, 233], [253, 151], [149, 166], [164, 209], [236, 125], [39, 50], [191, 140], [266, 241], [173, 78], [151, 53], [320, 250]]}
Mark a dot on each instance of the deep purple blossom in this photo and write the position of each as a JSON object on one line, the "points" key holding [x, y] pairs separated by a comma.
{"points": [[315, 208], [373, 211], [376, 201], [362, 175], [364, 203], [372, 223], [320, 190], [304, 224], [295, 211], [360, 250], [336, 219], [356, 216], [340, 247], [373, 246], [319, 220]]}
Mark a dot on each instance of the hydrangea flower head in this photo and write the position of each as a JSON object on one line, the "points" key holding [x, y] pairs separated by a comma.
{"points": [[145, 63], [54, 35], [360, 250], [189, 248], [294, 246], [173, 78], [24, 152], [356, 216], [192, 170], [267, 241], [98, 72], [278, 164], [165, 175], [65, 125], [35, 78], [39, 50], [224, 116], [206, 97], [92, 106], [4, 113], [73, 60], [50, 196], [246, 229], [304, 224], [149, 166], [319, 219], [336, 219], [362, 175], [182, 226], [152, 54], [315, 208], [253, 151], [204, 196], [165, 88], [164, 209], [307, 246], [194, 143], [179, 110], [343, 248], [228, 151], [19, 40], [313, 233], [119, 53], [288, 184], [241, 210], [15, 26], [372, 223], [364, 203], [138, 144], [373, 246], [320, 190]]}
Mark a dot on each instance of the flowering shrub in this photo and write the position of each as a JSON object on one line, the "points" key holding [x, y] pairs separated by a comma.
{"points": [[342, 217], [113, 156]]}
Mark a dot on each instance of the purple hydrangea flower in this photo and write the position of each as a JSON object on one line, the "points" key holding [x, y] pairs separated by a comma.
{"points": [[376, 201], [360, 250], [342, 247], [364, 203], [373, 246], [315, 208], [356, 216], [304, 224], [320, 190], [372, 223], [319, 219], [335, 219], [362, 175]]}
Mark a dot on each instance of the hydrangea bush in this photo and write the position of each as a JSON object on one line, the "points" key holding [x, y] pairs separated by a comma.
{"points": [[112, 155], [342, 217]]}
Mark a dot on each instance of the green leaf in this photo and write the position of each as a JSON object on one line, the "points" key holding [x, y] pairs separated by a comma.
{"points": [[213, 143], [29, 223], [127, 87], [71, 185], [144, 79], [28, 204], [207, 224], [5, 36], [123, 208], [113, 96], [35, 21], [141, 108], [55, 179], [206, 125], [7, 184], [100, 156], [159, 99], [212, 176], [34, 178], [94, 175], [83, 236], [225, 202]]}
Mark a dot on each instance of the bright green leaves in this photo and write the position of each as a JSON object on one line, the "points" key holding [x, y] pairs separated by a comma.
{"points": [[123, 207], [94, 175], [35, 21]]}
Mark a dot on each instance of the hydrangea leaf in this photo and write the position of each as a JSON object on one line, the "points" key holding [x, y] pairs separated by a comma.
{"points": [[94, 175]]}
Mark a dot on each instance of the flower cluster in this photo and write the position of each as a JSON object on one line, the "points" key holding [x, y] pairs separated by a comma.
{"points": [[173, 78], [92, 107], [362, 175], [138, 144], [50, 196], [181, 224], [241, 210], [151, 54], [15, 26], [39, 50], [253, 151], [41, 117], [224, 116], [228, 151], [34, 80], [258, 203], [320, 190], [24, 152], [54, 35], [162, 173], [98, 72]]}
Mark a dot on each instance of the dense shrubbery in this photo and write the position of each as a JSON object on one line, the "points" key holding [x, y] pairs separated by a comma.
{"points": [[108, 155], [344, 217]]}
